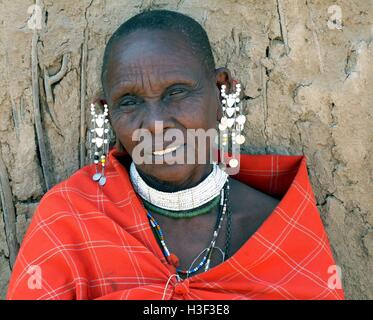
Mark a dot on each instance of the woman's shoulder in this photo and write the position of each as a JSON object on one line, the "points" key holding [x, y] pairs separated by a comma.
{"points": [[63, 194], [247, 195], [79, 177]]}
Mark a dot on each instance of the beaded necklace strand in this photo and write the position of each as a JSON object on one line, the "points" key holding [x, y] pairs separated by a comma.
{"points": [[228, 236], [206, 208], [219, 221], [228, 230]]}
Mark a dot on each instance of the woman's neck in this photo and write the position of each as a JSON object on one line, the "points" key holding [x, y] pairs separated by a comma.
{"points": [[167, 186]]}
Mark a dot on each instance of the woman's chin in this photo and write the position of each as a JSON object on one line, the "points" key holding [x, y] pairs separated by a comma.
{"points": [[168, 172], [172, 174]]}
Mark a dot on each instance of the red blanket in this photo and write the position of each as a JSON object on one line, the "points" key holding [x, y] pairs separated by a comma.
{"points": [[88, 242]]}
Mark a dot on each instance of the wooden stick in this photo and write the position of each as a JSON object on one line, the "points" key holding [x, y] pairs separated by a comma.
{"points": [[37, 115], [83, 87], [9, 213], [48, 82]]}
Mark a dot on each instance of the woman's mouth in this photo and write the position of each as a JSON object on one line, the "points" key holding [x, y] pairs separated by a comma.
{"points": [[166, 151]]}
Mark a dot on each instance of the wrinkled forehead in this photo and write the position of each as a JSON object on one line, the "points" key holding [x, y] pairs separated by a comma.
{"points": [[154, 53]]}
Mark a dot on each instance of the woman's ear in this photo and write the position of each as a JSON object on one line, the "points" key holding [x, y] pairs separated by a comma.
{"points": [[224, 76], [100, 100], [219, 106]]}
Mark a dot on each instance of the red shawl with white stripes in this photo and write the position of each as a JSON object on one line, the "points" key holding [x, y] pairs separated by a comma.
{"points": [[91, 242]]}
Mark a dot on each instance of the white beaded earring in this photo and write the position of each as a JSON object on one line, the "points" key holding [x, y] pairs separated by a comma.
{"points": [[232, 121], [99, 137]]}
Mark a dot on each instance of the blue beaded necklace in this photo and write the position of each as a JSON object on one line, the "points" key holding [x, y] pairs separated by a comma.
{"points": [[207, 257]]}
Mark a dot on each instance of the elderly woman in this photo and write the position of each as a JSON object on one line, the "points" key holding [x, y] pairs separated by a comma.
{"points": [[160, 230]]}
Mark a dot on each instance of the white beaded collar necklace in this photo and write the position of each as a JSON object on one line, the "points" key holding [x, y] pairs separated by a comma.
{"points": [[182, 200]]}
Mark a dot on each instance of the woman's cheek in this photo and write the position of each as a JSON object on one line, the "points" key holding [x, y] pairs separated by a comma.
{"points": [[193, 112], [122, 129]]}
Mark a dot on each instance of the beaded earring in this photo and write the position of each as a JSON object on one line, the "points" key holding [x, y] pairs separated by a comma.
{"points": [[232, 121], [99, 137]]}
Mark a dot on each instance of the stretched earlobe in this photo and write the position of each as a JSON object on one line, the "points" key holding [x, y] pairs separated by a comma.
{"points": [[219, 113], [99, 99], [224, 77]]}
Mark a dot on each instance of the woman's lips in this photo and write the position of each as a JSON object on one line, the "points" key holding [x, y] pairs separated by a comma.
{"points": [[177, 154], [167, 150], [170, 155]]}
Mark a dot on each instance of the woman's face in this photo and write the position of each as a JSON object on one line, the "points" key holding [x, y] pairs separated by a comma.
{"points": [[155, 76]]}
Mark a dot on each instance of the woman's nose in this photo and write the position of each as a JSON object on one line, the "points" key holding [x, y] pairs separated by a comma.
{"points": [[157, 118]]}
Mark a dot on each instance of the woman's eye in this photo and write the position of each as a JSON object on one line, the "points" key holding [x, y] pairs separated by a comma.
{"points": [[128, 103], [176, 91]]}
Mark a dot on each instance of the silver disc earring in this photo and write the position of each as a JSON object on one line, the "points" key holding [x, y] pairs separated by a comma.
{"points": [[99, 133], [232, 122]]}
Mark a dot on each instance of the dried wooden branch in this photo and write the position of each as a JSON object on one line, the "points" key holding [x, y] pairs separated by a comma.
{"points": [[9, 213], [236, 39], [83, 87], [284, 33], [15, 117], [48, 82], [37, 115]]}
